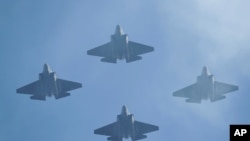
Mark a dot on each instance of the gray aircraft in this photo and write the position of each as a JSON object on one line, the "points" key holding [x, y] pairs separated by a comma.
{"points": [[126, 127], [48, 85], [120, 48], [205, 88]]}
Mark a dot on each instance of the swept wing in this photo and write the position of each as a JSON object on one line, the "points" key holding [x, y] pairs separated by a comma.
{"points": [[187, 92], [66, 85], [31, 89], [142, 128], [137, 48], [108, 130], [104, 50], [223, 88]]}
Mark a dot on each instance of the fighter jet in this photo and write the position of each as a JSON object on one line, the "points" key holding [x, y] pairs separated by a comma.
{"points": [[120, 48], [205, 88], [48, 85], [126, 127]]}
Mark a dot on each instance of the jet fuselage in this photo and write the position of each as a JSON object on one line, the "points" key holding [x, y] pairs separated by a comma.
{"points": [[126, 127], [48, 85], [119, 42], [48, 82], [119, 47], [126, 124], [205, 85], [205, 88]]}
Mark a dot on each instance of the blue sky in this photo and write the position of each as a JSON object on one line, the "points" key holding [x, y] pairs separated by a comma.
{"points": [[187, 35]]}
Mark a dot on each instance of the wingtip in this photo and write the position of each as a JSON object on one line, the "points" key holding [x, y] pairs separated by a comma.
{"points": [[158, 128], [96, 131], [153, 49], [88, 52], [237, 88], [18, 91], [175, 94], [80, 86]]}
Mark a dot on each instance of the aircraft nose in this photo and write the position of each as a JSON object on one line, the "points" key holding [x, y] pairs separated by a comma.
{"points": [[118, 30], [46, 68], [124, 110], [118, 27], [205, 70]]}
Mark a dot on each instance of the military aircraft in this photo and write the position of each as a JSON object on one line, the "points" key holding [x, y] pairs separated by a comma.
{"points": [[126, 127], [48, 85], [120, 48], [205, 88]]}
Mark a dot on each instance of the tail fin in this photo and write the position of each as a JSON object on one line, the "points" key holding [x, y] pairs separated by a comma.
{"points": [[109, 60], [134, 58]]}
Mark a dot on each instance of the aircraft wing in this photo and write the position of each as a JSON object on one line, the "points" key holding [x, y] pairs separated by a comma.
{"points": [[142, 128], [66, 85], [187, 92], [137, 49], [109, 130], [32, 88], [104, 50], [223, 88]]}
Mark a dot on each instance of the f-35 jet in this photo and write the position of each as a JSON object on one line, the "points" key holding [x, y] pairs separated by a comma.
{"points": [[48, 85], [205, 88], [126, 127], [120, 48]]}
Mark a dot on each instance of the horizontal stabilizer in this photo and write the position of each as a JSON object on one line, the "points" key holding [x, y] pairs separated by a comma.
{"points": [[192, 100], [113, 139], [110, 138], [217, 98], [140, 137], [109, 60], [61, 95], [134, 58], [37, 97]]}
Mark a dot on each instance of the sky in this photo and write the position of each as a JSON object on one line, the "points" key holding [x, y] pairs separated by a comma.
{"points": [[186, 36]]}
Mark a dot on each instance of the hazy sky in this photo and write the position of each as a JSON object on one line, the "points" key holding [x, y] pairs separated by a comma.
{"points": [[187, 35]]}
